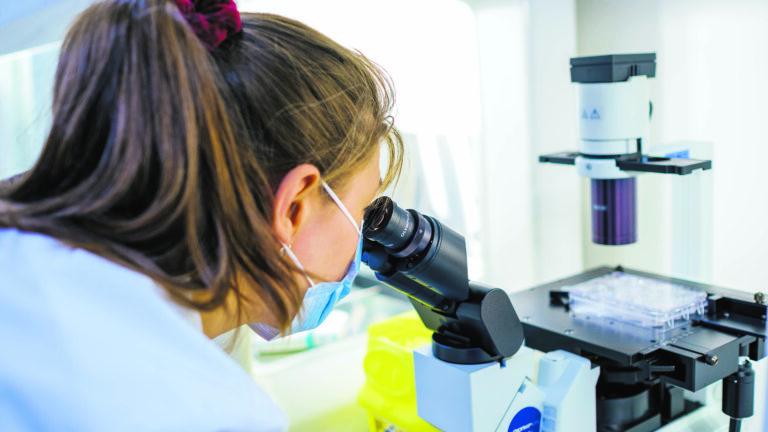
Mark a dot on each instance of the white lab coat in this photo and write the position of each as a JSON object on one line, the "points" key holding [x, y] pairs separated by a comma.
{"points": [[87, 345]]}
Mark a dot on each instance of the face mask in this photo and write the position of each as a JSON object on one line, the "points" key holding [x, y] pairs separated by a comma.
{"points": [[320, 298]]}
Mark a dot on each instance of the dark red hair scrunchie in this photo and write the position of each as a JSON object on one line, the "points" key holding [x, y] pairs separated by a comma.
{"points": [[213, 21]]}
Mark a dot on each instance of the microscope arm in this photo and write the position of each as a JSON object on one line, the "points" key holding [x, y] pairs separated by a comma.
{"points": [[481, 328]]}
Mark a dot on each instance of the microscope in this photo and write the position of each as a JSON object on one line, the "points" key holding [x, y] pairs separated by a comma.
{"points": [[621, 347], [476, 375], [600, 372], [698, 334]]}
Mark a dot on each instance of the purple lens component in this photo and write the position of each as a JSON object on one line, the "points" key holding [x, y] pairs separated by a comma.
{"points": [[613, 211]]}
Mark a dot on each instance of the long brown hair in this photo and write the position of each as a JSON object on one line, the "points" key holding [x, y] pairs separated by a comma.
{"points": [[164, 158]]}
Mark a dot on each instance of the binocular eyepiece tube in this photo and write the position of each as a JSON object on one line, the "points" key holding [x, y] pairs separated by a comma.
{"points": [[417, 246], [427, 261]]}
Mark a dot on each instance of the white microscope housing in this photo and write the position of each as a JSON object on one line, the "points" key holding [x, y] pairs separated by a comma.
{"points": [[614, 122]]}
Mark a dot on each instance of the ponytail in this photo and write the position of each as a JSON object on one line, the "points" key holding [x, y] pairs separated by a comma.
{"points": [[142, 166]]}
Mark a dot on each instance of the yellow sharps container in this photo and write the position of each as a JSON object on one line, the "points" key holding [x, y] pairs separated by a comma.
{"points": [[389, 394]]}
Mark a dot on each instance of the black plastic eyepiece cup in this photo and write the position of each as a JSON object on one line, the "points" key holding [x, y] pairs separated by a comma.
{"points": [[388, 224]]}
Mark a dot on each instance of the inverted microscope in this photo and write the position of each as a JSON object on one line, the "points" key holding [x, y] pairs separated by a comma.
{"points": [[620, 346]]}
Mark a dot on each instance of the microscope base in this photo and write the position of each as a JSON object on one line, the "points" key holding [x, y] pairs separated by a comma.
{"points": [[492, 397]]}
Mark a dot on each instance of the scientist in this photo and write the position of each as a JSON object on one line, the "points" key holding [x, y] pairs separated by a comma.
{"points": [[203, 170]]}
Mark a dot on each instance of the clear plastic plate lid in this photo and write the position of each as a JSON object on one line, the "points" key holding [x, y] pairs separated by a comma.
{"points": [[638, 300]]}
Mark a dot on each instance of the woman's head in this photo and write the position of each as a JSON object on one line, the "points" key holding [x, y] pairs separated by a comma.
{"points": [[170, 159], [301, 98]]}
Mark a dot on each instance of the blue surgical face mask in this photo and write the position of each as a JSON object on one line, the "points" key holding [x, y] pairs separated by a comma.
{"points": [[322, 297]]}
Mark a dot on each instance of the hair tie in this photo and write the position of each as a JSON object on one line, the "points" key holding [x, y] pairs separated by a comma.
{"points": [[213, 21]]}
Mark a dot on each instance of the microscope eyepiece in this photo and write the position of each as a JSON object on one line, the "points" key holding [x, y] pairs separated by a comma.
{"points": [[418, 247], [388, 224]]}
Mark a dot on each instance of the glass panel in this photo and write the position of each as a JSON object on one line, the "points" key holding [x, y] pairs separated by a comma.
{"points": [[26, 83]]}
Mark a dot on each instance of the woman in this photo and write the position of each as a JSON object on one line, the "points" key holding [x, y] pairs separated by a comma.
{"points": [[203, 171]]}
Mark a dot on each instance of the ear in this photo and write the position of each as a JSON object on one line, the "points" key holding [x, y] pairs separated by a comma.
{"points": [[292, 200]]}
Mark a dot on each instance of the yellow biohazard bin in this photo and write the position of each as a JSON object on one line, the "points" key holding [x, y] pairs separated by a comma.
{"points": [[389, 393]]}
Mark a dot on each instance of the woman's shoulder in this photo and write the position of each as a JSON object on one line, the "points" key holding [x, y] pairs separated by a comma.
{"points": [[87, 342], [57, 276], [21, 253]]}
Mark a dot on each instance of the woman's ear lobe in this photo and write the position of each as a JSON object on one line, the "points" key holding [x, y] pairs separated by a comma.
{"points": [[292, 200]]}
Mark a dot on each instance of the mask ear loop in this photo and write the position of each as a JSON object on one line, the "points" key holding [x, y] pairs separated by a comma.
{"points": [[287, 250], [342, 207]]}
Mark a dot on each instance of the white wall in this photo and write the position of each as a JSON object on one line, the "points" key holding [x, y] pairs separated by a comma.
{"points": [[26, 82], [37, 22], [556, 190], [532, 219], [29, 42], [502, 37]]}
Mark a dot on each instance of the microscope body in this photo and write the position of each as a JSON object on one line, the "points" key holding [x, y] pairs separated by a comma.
{"points": [[502, 396], [614, 122], [476, 375], [596, 375]]}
